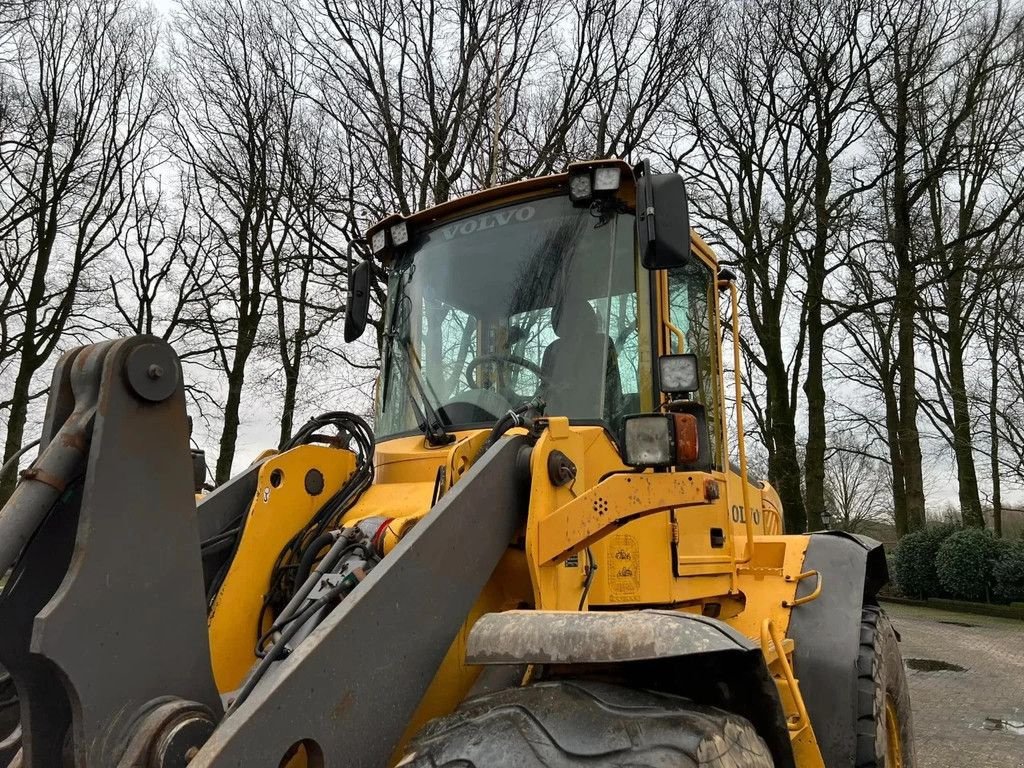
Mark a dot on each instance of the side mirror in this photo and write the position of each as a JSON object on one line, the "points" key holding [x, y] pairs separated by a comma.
{"points": [[663, 219], [357, 309]]}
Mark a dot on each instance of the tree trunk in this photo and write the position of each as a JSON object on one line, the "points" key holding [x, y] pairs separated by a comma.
{"points": [[783, 461], [963, 445], [908, 436], [236, 380], [291, 386], [814, 384], [229, 435], [814, 455], [993, 417], [899, 492], [16, 423], [906, 304]]}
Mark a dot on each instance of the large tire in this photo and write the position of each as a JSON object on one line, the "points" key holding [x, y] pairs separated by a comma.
{"points": [[9, 720], [570, 723], [885, 734]]}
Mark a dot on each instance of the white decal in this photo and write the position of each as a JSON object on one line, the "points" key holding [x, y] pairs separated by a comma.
{"points": [[488, 221]]}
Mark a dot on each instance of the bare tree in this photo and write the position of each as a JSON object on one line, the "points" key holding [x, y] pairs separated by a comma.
{"points": [[828, 52], [856, 484], [1003, 403], [413, 83], [151, 290], [944, 59], [748, 185], [233, 126], [69, 158], [307, 281], [974, 214]]}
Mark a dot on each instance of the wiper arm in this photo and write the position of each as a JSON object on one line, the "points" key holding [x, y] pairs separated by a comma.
{"points": [[431, 424]]}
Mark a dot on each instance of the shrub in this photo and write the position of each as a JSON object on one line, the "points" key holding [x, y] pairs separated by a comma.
{"points": [[1008, 572], [913, 563], [964, 563]]}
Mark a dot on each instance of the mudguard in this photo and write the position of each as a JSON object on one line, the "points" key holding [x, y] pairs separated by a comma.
{"points": [[695, 656], [826, 632]]}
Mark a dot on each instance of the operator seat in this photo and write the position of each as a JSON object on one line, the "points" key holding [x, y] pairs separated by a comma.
{"points": [[576, 370]]}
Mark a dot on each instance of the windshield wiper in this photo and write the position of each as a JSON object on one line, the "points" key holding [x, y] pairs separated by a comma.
{"points": [[431, 425]]}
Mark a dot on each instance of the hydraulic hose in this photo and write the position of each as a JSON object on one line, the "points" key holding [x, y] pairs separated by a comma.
{"points": [[514, 418], [309, 556], [277, 650], [43, 485], [13, 461]]}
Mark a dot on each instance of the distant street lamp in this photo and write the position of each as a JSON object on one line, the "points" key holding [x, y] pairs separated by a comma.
{"points": [[827, 520]]}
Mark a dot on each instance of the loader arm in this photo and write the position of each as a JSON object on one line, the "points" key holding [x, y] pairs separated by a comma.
{"points": [[103, 686], [103, 616]]}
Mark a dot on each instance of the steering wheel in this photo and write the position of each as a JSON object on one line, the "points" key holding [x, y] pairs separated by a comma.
{"points": [[522, 362]]}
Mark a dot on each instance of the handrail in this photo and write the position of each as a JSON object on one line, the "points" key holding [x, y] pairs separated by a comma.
{"points": [[748, 515], [770, 633], [806, 598]]}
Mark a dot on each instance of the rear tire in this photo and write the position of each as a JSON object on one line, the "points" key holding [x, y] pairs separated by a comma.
{"points": [[885, 734], [570, 723]]}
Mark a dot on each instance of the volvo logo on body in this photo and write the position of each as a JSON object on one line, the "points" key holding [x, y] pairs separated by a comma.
{"points": [[488, 220]]}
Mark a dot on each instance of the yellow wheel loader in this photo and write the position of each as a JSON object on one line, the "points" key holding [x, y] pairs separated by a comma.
{"points": [[545, 552]]}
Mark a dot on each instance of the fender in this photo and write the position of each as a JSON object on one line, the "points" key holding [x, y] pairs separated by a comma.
{"points": [[826, 633], [670, 651]]}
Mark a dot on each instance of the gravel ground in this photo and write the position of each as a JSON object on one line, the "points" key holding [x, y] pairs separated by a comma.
{"points": [[966, 677]]}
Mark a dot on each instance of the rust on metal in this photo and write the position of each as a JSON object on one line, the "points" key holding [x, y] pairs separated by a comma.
{"points": [[40, 476]]}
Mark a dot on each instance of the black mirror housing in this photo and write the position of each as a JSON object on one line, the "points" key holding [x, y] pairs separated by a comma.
{"points": [[663, 219], [357, 309]]}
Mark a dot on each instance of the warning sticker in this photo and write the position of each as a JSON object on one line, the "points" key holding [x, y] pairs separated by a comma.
{"points": [[623, 567]]}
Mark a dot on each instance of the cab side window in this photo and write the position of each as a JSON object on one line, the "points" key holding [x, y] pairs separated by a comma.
{"points": [[691, 301]]}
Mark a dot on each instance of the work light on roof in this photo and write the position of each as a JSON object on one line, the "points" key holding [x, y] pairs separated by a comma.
{"points": [[580, 187], [607, 179], [378, 241], [399, 233], [595, 181]]}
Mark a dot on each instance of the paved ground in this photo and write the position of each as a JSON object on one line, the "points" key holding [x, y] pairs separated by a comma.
{"points": [[967, 687]]}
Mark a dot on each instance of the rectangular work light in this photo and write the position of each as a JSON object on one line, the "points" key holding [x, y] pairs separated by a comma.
{"points": [[378, 241], [599, 181], [660, 440], [399, 233], [607, 179], [678, 374]]}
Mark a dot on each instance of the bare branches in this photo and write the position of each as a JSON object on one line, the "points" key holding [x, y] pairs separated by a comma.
{"points": [[78, 106], [858, 162]]}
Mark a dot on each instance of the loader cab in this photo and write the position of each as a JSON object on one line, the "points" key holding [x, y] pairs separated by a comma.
{"points": [[536, 292]]}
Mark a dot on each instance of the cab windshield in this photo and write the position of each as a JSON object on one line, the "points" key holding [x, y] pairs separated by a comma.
{"points": [[531, 301]]}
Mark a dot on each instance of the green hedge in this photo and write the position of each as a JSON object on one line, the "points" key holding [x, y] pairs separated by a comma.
{"points": [[947, 560], [913, 562], [1008, 572], [964, 563]]}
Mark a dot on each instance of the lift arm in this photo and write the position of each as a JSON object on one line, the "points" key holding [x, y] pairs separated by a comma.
{"points": [[104, 623]]}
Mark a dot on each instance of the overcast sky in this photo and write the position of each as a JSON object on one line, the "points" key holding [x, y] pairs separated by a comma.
{"points": [[258, 429]]}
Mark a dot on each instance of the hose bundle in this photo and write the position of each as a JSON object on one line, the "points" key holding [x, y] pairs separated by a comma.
{"points": [[354, 434]]}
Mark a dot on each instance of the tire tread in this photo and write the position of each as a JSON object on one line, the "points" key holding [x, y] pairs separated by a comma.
{"points": [[879, 672], [570, 723]]}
